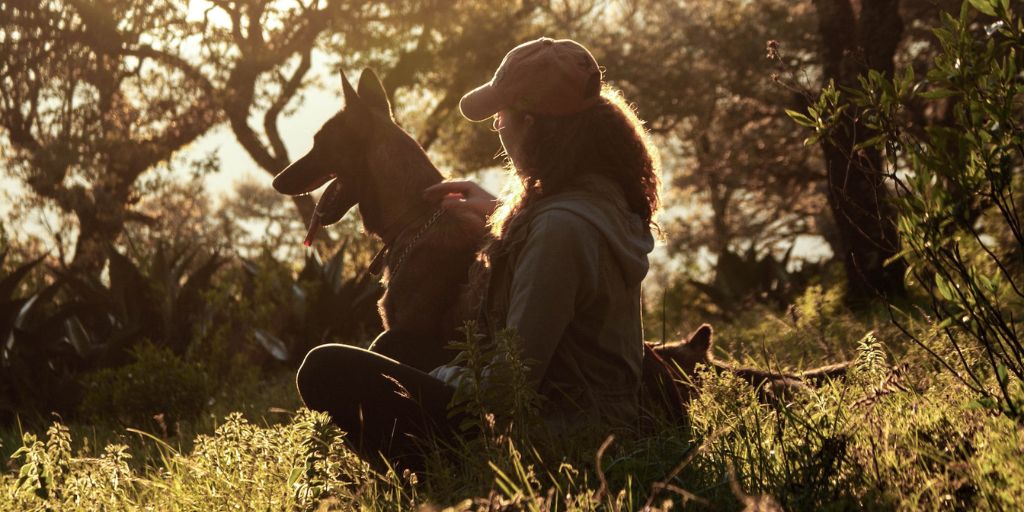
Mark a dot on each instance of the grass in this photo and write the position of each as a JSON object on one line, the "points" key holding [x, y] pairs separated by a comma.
{"points": [[897, 434]]}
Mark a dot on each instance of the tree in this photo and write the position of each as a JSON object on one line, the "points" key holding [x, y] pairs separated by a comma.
{"points": [[740, 181], [851, 44], [91, 96], [261, 54], [957, 201]]}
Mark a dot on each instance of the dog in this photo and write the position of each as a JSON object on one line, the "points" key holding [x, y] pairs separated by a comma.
{"points": [[372, 162], [679, 361]]}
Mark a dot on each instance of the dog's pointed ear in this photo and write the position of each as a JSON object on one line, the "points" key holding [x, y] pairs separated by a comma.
{"points": [[701, 338], [351, 98], [371, 91]]}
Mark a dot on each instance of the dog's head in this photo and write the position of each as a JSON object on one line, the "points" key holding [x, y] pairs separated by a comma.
{"points": [[341, 153], [686, 355]]}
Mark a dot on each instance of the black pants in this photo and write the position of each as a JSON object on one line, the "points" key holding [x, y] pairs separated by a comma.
{"points": [[386, 407]]}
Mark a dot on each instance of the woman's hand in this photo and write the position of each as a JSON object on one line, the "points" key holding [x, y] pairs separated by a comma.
{"points": [[462, 194]]}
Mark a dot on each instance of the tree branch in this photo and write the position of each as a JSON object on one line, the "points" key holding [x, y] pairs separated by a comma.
{"points": [[288, 90]]}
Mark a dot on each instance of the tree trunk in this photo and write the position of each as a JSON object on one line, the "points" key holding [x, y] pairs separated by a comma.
{"points": [[853, 43]]}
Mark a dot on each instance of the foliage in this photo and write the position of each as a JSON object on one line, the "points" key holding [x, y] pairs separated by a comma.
{"points": [[37, 358], [90, 103], [180, 322], [158, 297], [324, 302], [240, 466], [958, 188], [741, 280], [209, 312], [492, 393], [736, 165], [79, 323], [814, 330], [885, 438], [156, 384]]}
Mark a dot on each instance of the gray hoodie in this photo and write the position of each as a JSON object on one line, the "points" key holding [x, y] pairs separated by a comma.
{"points": [[567, 279]]}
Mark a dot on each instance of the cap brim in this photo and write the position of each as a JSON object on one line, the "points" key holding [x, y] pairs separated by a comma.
{"points": [[481, 103]]}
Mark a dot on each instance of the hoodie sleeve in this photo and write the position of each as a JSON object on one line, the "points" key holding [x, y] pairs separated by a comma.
{"points": [[555, 274]]}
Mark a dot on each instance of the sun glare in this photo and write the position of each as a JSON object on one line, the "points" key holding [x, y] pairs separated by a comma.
{"points": [[200, 9]]}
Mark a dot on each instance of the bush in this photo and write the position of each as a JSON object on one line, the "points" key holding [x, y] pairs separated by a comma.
{"points": [[156, 383], [240, 467], [958, 186]]}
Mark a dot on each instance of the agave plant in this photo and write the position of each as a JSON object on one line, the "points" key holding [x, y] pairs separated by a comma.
{"points": [[37, 357], [78, 324], [160, 301], [323, 303], [740, 279]]}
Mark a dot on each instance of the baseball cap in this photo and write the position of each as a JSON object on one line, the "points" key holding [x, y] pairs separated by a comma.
{"points": [[545, 76]]}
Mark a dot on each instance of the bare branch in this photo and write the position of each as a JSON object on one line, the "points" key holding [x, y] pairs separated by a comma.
{"points": [[288, 91]]}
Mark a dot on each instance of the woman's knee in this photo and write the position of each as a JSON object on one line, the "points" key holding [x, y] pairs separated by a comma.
{"points": [[318, 373]]}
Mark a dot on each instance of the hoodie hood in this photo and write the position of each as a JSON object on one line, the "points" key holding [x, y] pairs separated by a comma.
{"points": [[600, 201]]}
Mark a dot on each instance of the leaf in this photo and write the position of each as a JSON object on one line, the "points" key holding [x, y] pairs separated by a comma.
{"points": [[908, 74], [9, 283], [293, 477], [943, 286], [800, 118], [1001, 374], [985, 6], [129, 290], [937, 94], [873, 141], [76, 335], [274, 346], [982, 403]]}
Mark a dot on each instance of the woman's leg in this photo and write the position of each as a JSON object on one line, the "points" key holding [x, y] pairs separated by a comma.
{"points": [[385, 406], [412, 349]]}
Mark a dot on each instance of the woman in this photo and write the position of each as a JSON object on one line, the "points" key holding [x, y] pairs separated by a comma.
{"points": [[563, 270]]}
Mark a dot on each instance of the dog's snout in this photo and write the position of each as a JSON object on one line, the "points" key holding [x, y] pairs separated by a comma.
{"points": [[301, 177]]}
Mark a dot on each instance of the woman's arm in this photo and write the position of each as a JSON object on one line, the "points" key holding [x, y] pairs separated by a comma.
{"points": [[556, 272]]}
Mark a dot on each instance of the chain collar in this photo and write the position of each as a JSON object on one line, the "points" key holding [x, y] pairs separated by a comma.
{"points": [[384, 253], [415, 239]]}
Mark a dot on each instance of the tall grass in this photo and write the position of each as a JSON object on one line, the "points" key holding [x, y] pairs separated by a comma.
{"points": [[894, 435]]}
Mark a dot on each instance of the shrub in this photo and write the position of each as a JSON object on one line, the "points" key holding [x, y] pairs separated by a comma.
{"points": [[239, 467], [958, 189], [156, 383]]}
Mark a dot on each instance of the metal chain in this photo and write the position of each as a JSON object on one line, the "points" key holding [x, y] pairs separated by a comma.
{"points": [[412, 243]]}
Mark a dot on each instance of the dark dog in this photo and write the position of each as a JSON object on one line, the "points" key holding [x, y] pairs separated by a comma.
{"points": [[427, 251], [678, 362]]}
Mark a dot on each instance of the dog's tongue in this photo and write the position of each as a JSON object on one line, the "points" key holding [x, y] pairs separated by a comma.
{"points": [[314, 228], [331, 207]]}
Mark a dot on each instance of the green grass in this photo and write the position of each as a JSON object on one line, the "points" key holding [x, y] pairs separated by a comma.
{"points": [[897, 434]]}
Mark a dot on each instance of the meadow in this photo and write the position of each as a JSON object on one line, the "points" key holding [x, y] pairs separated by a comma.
{"points": [[150, 338], [897, 433]]}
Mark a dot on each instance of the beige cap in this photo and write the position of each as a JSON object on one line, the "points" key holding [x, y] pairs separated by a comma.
{"points": [[545, 76]]}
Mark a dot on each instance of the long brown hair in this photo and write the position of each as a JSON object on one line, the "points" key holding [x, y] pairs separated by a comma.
{"points": [[607, 139]]}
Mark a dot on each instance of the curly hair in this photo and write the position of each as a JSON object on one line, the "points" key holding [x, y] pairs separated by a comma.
{"points": [[607, 139]]}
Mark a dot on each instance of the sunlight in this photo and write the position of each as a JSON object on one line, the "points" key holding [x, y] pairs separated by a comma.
{"points": [[200, 9]]}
